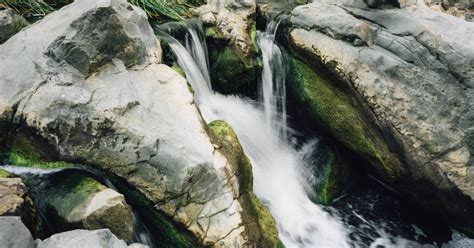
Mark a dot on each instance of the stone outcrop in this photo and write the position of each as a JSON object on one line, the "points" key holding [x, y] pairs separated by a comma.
{"points": [[10, 24], [87, 81], [15, 200], [231, 31], [396, 86]]}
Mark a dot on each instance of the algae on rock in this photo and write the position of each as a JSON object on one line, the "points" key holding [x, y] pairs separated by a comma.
{"points": [[337, 112], [78, 201], [260, 229]]}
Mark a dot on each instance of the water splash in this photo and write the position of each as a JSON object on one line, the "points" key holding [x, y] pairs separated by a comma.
{"points": [[262, 130]]}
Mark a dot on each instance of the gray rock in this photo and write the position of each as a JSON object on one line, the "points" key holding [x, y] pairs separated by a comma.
{"points": [[87, 80], [460, 8], [13, 234], [232, 28], [83, 238], [415, 75], [10, 24]]}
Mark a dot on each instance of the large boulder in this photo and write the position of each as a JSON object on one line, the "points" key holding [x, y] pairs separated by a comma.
{"points": [[10, 24], [231, 31], [395, 86], [87, 81], [13, 233], [15, 200]]}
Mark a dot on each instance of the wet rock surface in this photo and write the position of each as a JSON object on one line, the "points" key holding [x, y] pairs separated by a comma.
{"points": [[113, 105], [409, 77]]}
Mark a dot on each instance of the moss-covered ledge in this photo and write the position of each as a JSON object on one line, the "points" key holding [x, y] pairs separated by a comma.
{"points": [[338, 112], [260, 224], [231, 69], [26, 151]]}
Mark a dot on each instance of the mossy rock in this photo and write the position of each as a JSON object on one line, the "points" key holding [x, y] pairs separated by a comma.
{"points": [[332, 174], [231, 70], [5, 174], [338, 113], [260, 224], [23, 152], [73, 199]]}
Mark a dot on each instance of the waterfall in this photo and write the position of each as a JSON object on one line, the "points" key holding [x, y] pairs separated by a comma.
{"points": [[273, 80], [262, 130]]}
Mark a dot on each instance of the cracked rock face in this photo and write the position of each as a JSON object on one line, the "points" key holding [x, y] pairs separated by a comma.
{"points": [[413, 70], [87, 79]]}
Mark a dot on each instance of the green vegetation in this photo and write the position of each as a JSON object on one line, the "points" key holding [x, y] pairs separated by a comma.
{"points": [[172, 9], [35, 7], [23, 153], [260, 224], [231, 69], [336, 112], [73, 191], [156, 9], [4, 173]]}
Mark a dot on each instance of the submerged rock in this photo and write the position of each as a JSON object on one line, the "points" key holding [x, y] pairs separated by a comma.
{"points": [[395, 86], [231, 32], [10, 24], [87, 81]]}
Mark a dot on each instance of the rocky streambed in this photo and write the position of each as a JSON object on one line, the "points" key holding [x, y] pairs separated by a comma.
{"points": [[355, 115]]}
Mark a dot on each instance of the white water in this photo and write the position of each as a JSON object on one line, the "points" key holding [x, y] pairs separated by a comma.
{"points": [[18, 170], [262, 130]]}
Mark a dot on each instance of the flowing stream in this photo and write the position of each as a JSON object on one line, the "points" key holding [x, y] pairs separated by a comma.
{"points": [[263, 132]]}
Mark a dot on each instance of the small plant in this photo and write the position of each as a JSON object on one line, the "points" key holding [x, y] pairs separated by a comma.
{"points": [[173, 9], [155, 9], [29, 7]]}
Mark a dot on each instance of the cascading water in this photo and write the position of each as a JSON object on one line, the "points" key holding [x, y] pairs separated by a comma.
{"points": [[262, 130]]}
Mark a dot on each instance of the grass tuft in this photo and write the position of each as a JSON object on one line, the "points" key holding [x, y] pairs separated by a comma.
{"points": [[155, 9]]}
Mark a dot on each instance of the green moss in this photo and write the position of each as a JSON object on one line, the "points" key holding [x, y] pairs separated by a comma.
{"points": [[259, 223], [74, 190], [178, 70], [4, 174], [253, 36], [23, 153], [335, 111], [231, 70]]}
